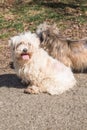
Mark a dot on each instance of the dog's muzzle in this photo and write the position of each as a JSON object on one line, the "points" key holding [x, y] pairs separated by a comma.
{"points": [[25, 55], [25, 50]]}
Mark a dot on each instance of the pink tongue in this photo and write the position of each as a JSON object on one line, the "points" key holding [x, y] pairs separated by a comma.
{"points": [[25, 57]]}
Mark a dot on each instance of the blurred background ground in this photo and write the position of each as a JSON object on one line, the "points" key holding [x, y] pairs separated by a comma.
{"points": [[22, 15]]}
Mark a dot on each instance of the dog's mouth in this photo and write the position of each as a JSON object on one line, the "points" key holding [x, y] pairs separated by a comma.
{"points": [[25, 56]]}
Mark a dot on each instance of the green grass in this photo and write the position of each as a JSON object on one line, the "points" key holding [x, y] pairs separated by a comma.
{"points": [[28, 16]]}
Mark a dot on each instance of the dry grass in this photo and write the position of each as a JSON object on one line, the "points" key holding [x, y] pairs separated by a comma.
{"points": [[20, 15]]}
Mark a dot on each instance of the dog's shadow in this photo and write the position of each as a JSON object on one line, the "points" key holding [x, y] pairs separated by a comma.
{"points": [[10, 80]]}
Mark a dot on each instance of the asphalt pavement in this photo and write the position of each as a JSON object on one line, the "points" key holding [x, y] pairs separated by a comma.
{"points": [[20, 111]]}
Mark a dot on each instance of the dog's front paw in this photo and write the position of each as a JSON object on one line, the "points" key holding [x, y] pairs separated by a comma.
{"points": [[31, 90]]}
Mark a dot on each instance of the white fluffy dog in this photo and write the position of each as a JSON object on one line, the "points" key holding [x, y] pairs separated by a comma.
{"points": [[34, 66]]}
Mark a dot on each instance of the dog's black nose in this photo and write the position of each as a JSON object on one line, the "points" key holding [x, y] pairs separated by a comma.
{"points": [[25, 50]]}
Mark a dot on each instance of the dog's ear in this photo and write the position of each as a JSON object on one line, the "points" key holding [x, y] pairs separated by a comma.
{"points": [[45, 34], [40, 31], [40, 36], [9, 42]]}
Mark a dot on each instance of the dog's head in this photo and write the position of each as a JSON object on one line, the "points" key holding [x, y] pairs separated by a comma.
{"points": [[45, 30], [24, 45]]}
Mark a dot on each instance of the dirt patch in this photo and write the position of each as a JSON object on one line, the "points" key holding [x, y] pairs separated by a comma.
{"points": [[5, 57]]}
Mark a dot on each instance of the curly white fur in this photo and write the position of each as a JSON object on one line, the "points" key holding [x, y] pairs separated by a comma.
{"points": [[44, 73]]}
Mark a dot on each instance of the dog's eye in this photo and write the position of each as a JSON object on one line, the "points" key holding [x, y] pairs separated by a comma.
{"points": [[13, 48], [48, 35], [29, 44]]}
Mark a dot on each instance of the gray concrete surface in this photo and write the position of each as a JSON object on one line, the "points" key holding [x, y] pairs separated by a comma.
{"points": [[19, 111]]}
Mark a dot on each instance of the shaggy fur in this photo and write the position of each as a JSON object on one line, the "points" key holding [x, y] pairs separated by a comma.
{"points": [[72, 53], [34, 66]]}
